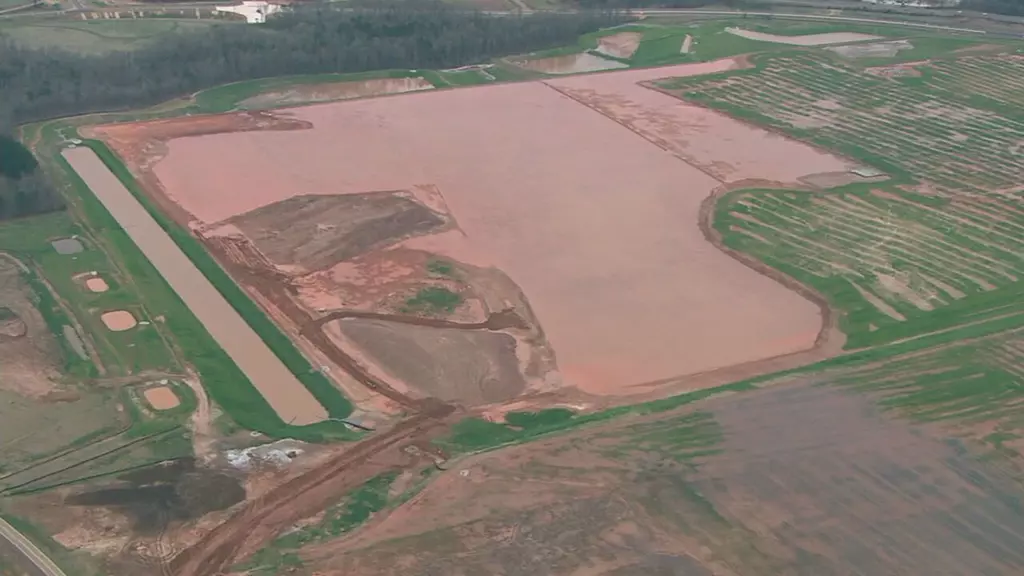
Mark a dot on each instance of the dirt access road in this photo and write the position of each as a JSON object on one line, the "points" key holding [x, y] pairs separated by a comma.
{"points": [[289, 398]]}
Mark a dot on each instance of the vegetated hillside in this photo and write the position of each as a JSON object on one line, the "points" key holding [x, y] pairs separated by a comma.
{"points": [[1009, 7], [23, 189], [37, 85]]}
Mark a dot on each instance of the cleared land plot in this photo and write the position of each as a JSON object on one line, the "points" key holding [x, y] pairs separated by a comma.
{"points": [[290, 399], [96, 36], [118, 320], [787, 480], [161, 397], [873, 49], [606, 255], [467, 366], [805, 39]]}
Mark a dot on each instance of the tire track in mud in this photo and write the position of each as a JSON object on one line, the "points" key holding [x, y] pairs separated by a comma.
{"points": [[301, 496]]}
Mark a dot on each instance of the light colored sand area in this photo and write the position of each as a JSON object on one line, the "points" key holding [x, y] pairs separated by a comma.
{"points": [[872, 50], [289, 398], [726, 148], [687, 45], [161, 398], [96, 284], [570, 64], [596, 224], [805, 40], [337, 91], [621, 45], [118, 320]]}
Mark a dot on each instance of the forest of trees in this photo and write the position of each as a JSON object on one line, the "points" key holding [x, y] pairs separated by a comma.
{"points": [[1008, 7], [42, 84]]}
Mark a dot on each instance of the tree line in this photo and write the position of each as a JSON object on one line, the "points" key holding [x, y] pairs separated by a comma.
{"points": [[1007, 7], [407, 34]]}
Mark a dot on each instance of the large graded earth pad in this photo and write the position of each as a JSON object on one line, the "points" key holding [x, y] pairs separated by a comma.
{"points": [[317, 232], [596, 224], [308, 93], [282, 390], [470, 367], [96, 284], [794, 479]]}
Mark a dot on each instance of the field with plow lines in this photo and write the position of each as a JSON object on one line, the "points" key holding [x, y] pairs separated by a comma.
{"points": [[937, 245]]}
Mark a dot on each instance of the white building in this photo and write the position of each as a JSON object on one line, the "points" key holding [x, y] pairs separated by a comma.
{"points": [[255, 11]]}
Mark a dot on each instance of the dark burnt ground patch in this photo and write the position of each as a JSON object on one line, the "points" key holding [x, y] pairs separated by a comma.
{"points": [[316, 232], [157, 495]]}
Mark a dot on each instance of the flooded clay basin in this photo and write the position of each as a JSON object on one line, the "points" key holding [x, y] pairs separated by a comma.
{"points": [[597, 224]]}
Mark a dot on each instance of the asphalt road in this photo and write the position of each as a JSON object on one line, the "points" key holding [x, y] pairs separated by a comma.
{"points": [[42, 562]]}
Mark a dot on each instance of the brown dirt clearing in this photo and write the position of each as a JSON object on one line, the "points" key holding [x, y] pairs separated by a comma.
{"points": [[118, 320], [161, 397], [96, 284]]}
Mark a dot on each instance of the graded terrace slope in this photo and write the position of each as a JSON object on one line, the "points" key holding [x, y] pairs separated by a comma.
{"points": [[596, 224], [289, 398]]}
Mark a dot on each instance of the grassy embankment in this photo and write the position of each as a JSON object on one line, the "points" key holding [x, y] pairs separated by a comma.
{"points": [[224, 381]]}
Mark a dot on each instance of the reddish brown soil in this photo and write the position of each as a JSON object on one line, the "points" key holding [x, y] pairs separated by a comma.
{"points": [[161, 397], [600, 267], [118, 320]]}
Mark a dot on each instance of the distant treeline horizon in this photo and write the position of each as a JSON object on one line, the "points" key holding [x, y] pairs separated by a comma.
{"points": [[317, 38]]}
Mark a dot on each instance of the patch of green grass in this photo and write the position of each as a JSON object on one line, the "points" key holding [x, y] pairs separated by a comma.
{"points": [[433, 299], [229, 96], [465, 78], [441, 268], [357, 507]]}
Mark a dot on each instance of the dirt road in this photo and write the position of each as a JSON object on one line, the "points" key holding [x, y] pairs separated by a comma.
{"points": [[282, 390], [42, 562]]}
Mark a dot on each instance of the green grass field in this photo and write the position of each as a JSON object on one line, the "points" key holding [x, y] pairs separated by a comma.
{"points": [[94, 36]]}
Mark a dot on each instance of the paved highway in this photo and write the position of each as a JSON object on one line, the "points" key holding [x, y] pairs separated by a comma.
{"points": [[43, 564]]}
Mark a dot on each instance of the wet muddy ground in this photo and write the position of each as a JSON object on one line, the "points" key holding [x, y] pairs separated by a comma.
{"points": [[797, 480]]}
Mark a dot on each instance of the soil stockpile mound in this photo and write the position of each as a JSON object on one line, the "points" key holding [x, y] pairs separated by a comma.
{"points": [[317, 232]]}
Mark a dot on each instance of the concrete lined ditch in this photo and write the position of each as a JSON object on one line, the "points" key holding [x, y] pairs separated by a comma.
{"points": [[282, 390]]}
